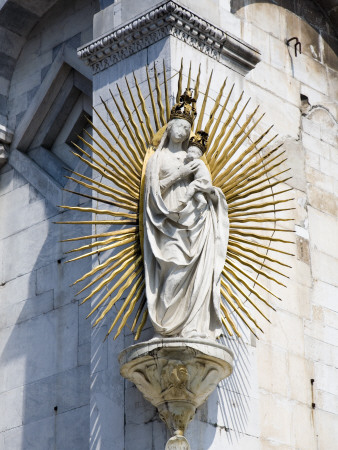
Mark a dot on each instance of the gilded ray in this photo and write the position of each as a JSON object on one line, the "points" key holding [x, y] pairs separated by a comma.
{"points": [[144, 108], [234, 245], [197, 84], [201, 114], [127, 152], [120, 131], [247, 192], [123, 307], [135, 294], [237, 252], [216, 126], [117, 172], [126, 258], [141, 140], [232, 282], [227, 136], [107, 191], [244, 283], [236, 268], [131, 249], [137, 146], [107, 247], [179, 82], [102, 171], [109, 233], [246, 157], [229, 319], [254, 268], [262, 197], [256, 244], [260, 175], [157, 122], [101, 211], [189, 77], [112, 161], [231, 178], [136, 109], [247, 275], [125, 238], [159, 97], [241, 165], [133, 269], [215, 149], [139, 296], [166, 93], [119, 154], [214, 109], [97, 199], [138, 313], [259, 236], [141, 326], [238, 311]]}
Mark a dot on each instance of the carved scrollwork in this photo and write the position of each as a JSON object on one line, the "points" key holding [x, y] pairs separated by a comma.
{"points": [[176, 379], [168, 19]]}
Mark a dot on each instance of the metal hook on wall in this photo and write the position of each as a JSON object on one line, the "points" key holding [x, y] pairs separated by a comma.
{"points": [[297, 44]]}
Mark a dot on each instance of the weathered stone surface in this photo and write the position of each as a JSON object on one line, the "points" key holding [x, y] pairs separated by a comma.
{"points": [[25, 310], [14, 416], [39, 435], [285, 116], [176, 375], [323, 200], [324, 267], [68, 390], [25, 357], [302, 428], [323, 230], [72, 424], [318, 350], [107, 405], [276, 81], [276, 427]]}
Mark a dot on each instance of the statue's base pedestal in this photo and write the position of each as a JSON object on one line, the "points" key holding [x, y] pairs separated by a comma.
{"points": [[176, 375]]}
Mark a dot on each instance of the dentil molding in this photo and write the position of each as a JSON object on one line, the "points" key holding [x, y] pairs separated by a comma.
{"points": [[169, 19]]}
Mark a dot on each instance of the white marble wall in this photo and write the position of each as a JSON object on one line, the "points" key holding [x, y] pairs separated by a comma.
{"points": [[48, 354], [44, 338]]}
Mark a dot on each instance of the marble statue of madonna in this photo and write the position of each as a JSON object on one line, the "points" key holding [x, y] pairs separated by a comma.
{"points": [[186, 231]]}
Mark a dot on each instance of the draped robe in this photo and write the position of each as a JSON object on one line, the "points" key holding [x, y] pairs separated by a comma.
{"points": [[184, 252]]}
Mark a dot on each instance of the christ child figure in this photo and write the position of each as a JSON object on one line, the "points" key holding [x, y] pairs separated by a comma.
{"points": [[202, 183]]}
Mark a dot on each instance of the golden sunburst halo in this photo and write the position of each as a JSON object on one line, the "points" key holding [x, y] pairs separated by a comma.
{"points": [[243, 167]]}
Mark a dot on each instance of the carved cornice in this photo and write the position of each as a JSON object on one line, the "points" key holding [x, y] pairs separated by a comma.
{"points": [[168, 19]]}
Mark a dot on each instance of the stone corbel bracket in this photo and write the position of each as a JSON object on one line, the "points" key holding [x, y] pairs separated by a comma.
{"points": [[169, 19]]}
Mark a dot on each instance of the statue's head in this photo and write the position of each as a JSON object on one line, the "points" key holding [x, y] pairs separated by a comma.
{"points": [[197, 145], [178, 130], [182, 117], [193, 152]]}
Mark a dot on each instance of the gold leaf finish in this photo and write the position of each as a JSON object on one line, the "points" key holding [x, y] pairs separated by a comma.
{"points": [[244, 163]]}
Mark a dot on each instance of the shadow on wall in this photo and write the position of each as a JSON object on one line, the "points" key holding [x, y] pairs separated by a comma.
{"points": [[45, 351], [228, 415]]}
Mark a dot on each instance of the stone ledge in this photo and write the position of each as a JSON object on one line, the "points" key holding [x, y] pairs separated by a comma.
{"points": [[169, 19]]}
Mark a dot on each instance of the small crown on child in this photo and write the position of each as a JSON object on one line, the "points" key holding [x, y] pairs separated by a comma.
{"points": [[200, 140], [185, 108]]}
